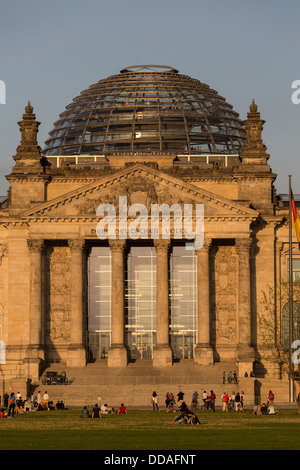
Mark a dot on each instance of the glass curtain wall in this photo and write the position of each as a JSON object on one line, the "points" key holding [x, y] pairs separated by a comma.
{"points": [[183, 302], [140, 302], [99, 302]]}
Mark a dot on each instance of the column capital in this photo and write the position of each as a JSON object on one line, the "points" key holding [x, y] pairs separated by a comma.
{"points": [[206, 245], [162, 244], [243, 244], [117, 244], [76, 244], [35, 245]]}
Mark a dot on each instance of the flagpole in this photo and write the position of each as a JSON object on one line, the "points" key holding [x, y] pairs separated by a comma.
{"points": [[290, 292]]}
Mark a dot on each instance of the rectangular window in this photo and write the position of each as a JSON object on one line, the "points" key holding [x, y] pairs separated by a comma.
{"points": [[183, 300], [99, 302], [140, 302]]}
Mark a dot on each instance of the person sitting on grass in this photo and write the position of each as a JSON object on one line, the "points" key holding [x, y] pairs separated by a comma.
{"points": [[170, 407], [96, 411], [191, 417], [187, 417], [122, 410], [85, 413], [105, 409], [183, 407], [257, 409]]}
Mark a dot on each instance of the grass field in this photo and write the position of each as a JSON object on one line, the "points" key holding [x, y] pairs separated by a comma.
{"points": [[148, 430]]}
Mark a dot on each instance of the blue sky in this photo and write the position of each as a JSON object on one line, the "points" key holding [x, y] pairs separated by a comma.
{"points": [[52, 50]]}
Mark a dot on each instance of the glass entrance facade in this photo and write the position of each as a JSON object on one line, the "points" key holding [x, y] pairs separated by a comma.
{"points": [[140, 302], [99, 302], [183, 302]]}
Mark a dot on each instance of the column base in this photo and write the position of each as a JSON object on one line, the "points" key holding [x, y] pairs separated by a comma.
{"points": [[203, 355], [33, 369], [162, 356], [76, 356], [245, 357], [117, 356], [35, 355]]}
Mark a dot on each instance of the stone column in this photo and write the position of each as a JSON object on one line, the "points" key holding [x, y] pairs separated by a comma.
{"points": [[35, 351], [76, 354], [244, 352], [162, 353], [117, 354], [203, 351]]}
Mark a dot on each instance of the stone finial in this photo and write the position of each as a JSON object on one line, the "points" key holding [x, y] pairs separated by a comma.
{"points": [[254, 150], [28, 156], [29, 108], [253, 107]]}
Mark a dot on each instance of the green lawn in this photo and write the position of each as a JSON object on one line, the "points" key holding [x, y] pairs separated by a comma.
{"points": [[148, 430]]}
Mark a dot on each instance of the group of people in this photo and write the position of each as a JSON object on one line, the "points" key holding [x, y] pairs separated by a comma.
{"points": [[231, 377], [266, 408], [14, 403], [234, 402], [173, 403], [97, 411], [170, 400], [186, 417]]}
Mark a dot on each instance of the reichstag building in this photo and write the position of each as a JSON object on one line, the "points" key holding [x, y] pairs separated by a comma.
{"points": [[72, 300]]}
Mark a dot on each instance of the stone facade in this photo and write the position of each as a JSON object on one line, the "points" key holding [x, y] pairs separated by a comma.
{"points": [[50, 218]]}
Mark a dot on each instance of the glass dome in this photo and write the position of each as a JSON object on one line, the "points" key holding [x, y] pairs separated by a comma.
{"points": [[147, 108]]}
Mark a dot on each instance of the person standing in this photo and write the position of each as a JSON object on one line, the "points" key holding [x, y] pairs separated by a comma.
{"points": [[242, 397], [212, 401], [225, 399], [180, 396], [12, 404], [271, 397], [154, 401], [5, 400], [46, 400], [195, 399]]}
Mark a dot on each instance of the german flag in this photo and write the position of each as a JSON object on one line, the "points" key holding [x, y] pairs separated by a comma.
{"points": [[295, 219]]}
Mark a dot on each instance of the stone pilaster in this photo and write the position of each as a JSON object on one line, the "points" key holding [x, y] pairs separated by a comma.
{"points": [[245, 352], [35, 350], [117, 354], [162, 353], [203, 352], [76, 354]]}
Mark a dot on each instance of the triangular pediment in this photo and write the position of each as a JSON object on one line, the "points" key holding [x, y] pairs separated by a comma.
{"points": [[140, 184]]}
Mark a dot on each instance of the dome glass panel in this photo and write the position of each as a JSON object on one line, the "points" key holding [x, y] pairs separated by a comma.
{"points": [[147, 109]]}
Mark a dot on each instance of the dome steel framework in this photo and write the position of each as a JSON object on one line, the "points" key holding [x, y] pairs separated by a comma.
{"points": [[147, 108]]}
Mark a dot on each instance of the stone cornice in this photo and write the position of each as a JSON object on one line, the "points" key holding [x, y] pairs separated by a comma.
{"points": [[170, 181]]}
